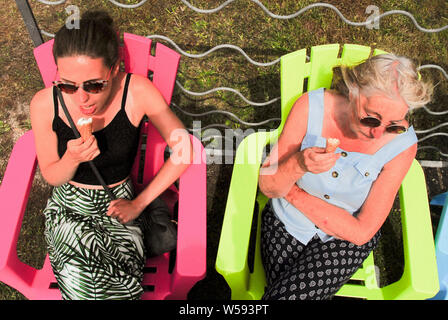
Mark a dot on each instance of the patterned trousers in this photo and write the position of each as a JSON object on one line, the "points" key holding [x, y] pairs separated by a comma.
{"points": [[93, 256], [315, 271]]}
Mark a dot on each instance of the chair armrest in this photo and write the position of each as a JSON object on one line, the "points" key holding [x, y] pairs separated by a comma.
{"points": [[419, 279], [232, 259], [14, 192], [191, 257]]}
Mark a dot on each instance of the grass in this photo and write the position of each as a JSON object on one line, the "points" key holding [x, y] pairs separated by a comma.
{"points": [[264, 39]]}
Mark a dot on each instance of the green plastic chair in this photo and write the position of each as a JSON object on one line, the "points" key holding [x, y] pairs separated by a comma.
{"points": [[419, 279]]}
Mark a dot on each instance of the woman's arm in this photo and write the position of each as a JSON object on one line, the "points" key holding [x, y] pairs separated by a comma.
{"points": [[55, 170], [179, 141], [360, 229], [147, 100], [286, 163]]}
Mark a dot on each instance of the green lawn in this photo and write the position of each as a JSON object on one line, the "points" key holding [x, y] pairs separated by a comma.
{"points": [[263, 39]]}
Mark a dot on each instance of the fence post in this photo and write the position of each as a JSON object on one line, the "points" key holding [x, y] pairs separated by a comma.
{"points": [[30, 22]]}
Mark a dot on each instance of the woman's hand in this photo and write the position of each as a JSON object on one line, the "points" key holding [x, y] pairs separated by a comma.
{"points": [[82, 151], [316, 160], [124, 210]]}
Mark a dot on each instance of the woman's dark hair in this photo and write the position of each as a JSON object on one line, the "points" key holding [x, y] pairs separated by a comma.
{"points": [[96, 38]]}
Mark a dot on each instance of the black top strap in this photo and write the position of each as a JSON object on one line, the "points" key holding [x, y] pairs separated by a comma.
{"points": [[55, 102], [125, 90]]}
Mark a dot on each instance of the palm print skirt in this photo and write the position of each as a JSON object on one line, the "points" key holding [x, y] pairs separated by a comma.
{"points": [[93, 256]]}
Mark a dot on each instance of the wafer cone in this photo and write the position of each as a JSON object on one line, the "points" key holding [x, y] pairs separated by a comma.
{"points": [[332, 144], [84, 126]]}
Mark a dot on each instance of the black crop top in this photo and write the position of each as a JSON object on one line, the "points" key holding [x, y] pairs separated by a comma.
{"points": [[118, 143]]}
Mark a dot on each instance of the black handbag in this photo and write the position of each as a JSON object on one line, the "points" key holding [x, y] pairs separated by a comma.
{"points": [[159, 231]]}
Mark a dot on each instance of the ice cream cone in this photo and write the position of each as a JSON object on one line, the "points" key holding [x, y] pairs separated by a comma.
{"points": [[85, 128], [332, 144]]}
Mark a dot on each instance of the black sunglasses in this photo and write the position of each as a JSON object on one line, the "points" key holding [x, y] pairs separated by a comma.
{"points": [[90, 87], [373, 122]]}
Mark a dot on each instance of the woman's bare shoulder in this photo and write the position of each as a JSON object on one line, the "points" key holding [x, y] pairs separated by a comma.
{"points": [[42, 105], [145, 93], [42, 98], [139, 82]]}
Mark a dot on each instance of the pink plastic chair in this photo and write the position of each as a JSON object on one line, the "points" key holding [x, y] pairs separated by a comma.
{"points": [[159, 282]]}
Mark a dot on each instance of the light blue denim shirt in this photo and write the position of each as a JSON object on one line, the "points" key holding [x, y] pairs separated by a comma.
{"points": [[346, 185]]}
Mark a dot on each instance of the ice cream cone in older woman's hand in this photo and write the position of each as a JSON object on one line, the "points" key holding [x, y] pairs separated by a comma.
{"points": [[332, 144], [84, 126]]}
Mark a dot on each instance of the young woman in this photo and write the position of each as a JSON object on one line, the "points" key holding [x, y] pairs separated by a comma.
{"points": [[95, 249], [326, 208]]}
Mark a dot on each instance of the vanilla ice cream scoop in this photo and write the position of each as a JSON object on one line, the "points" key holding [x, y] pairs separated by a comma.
{"points": [[332, 144], [84, 126]]}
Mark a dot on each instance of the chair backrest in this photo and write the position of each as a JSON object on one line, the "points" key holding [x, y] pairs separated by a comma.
{"points": [[298, 75]]}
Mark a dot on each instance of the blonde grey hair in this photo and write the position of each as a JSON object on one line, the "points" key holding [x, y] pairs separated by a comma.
{"points": [[386, 74]]}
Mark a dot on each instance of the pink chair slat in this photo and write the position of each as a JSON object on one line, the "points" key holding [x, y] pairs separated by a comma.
{"points": [[164, 65], [157, 278], [136, 52], [190, 263], [45, 61]]}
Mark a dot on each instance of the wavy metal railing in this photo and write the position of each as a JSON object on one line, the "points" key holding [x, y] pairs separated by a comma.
{"points": [[271, 63], [275, 16], [322, 5]]}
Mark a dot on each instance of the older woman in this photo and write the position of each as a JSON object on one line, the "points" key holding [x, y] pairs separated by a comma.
{"points": [[326, 208], [95, 249]]}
